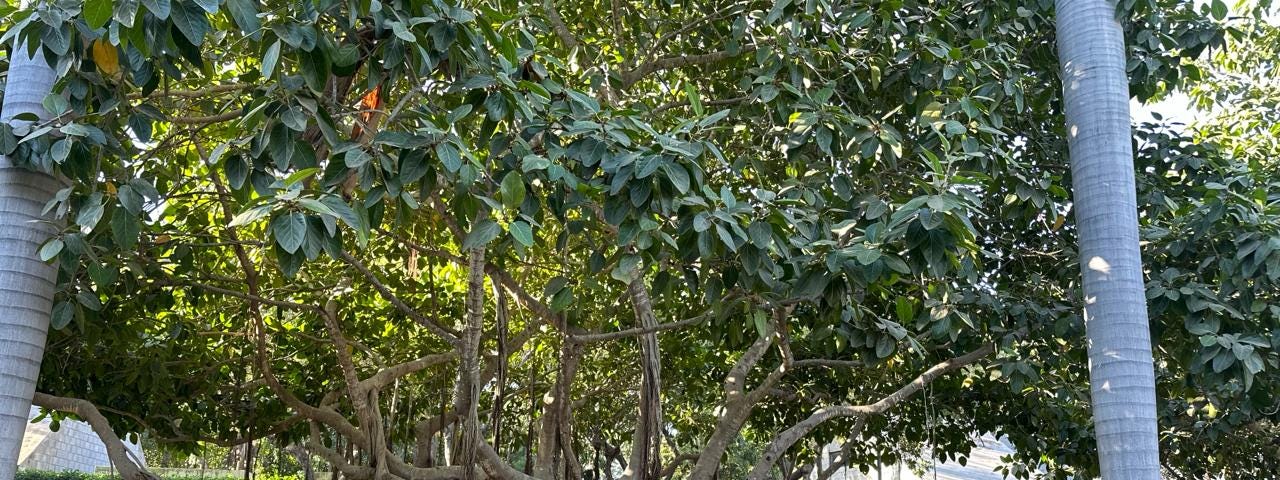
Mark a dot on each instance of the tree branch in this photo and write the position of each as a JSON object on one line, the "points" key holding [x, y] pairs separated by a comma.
{"points": [[790, 436], [557, 25], [646, 447], [387, 375], [631, 77], [116, 450], [198, 93], [445, 333], [634, 332], [205, 120], [712, 103]]}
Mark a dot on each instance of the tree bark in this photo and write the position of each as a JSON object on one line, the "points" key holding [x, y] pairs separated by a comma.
{"points": [[27, 284], [467, 397], [646, 458], [1096, 99], [739, 402], [555, 448], [301, 454]]}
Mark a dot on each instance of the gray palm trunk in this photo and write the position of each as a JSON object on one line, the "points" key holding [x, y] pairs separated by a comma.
{"points": [[1096, 96], [26, 283]]}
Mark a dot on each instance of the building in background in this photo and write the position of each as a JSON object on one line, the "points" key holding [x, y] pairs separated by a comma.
{"points": [[73, 447]]}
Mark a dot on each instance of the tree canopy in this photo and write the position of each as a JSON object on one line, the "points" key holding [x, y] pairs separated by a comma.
{"points": [[572, 238]]}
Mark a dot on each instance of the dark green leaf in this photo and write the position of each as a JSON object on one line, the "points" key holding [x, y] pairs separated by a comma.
{"points": [[290, 230], [449, 156], [210, 6], [885, 346], [237, 170], [522, 232], [89, 300], [270, 59], [129, 199], [1219, 9], [481, 234], [51, 249], [125, 12], [677, 175], [63, 312], [125, 229], [761, 234], [192, 22], [512, 190]]}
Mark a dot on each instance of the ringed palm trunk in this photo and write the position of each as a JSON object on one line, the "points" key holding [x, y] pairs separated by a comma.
{"points": [[26, 283], [1096, 96]]}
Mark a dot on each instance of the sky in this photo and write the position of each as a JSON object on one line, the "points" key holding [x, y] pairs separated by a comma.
{"points": [[1174, 108]]}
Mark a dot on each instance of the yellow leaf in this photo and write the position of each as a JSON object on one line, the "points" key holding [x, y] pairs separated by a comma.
{"points": [[111, 188], [104, 55]]}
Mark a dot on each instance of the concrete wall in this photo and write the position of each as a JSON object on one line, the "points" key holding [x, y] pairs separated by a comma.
{"points": [[73, 447]]}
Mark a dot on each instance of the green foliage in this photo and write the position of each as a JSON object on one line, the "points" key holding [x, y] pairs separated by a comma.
{"points": [[893, 170]]}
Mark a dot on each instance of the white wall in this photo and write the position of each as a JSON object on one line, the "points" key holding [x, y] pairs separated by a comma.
{"points": [[73, 447]]}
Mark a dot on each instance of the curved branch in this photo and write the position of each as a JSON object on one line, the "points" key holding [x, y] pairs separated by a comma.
{"points": [[790, 436], [116, 451], [387, 375]]}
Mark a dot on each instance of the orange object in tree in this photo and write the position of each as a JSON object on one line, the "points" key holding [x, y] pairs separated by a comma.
{"points": [[370, 112]]}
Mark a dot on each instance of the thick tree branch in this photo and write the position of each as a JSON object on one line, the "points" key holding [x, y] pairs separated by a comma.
{"points": [[116, 450], [467, 397], [739, 403], [790, 436], [387, 375]]}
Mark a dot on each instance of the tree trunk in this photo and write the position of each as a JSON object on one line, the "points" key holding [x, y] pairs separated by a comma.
{"points": [[248, 460], [555, 450], [27, 285], [646, 459], [303, 457], [1096, 98], [467, 397]]}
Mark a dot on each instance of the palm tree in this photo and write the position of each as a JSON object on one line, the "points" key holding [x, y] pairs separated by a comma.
{"points": [[1096, 97], [27, 284]]}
